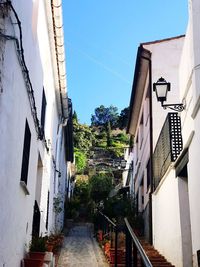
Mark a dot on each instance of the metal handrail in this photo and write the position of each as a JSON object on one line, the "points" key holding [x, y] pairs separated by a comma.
{"points": [[116, 234], [140, 249], [108, 219]]}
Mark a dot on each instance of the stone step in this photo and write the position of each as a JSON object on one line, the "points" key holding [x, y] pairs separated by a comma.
{"points": [[154, 256]]}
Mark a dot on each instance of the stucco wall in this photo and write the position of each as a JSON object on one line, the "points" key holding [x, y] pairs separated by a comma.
{"points": [[166, 223], [166, 220], [190, 84], [17, 207], [165, 63]]}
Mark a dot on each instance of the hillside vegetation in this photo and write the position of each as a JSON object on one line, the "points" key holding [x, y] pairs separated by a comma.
{"points": [[105, 137]]}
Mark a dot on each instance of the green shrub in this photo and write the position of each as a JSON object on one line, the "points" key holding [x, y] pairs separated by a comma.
{"points": [[38, 244], [80, 161]]}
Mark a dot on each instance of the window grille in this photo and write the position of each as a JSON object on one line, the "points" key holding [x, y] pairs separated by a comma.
{"points": [[168, 147]]}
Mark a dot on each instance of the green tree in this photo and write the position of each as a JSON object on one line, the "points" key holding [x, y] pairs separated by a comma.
{"points": [[104, 115], [100, 186], [123, 118], [83, 136], [80, 161], [75, 117], [106, 118], [117, 206], [81, 189]]}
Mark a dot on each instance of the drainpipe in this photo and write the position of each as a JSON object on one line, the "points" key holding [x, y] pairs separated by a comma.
{"points": [[58, 147], [151, 147], [58, 172]]}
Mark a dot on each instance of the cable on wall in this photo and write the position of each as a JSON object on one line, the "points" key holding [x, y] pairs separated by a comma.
{"points": [[25, 72]]}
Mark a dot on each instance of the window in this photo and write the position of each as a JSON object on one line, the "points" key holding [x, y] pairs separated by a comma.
{"points": [[26, 153], [136, 150], [43, 111], [47, 218], [141, 131], [146, 108], [141, 195], [148, 174]]}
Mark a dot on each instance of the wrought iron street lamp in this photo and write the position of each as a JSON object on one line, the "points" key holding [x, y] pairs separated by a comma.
{"points": [[161, 87]]}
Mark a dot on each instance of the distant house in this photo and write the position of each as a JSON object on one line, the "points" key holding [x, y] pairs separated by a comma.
{"points": [[35, 125]]}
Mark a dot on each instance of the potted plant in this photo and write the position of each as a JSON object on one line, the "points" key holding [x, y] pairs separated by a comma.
{"points": [[28, 262], [55, 240], [37, 248]]}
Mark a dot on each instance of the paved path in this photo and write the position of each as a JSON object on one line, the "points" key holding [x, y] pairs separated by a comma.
{"points": [[81, 249]]}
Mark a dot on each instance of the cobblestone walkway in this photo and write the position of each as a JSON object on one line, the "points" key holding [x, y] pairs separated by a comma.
{"points": [[81, 249]]}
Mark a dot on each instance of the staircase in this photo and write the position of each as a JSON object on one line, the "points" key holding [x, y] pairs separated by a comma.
{"points": [[156, 259]]}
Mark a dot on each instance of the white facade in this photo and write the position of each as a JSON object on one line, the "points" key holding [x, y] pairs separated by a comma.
{"points": [[190, 90], [175, 216], [166, 221], [157, 59], [47, 168]]}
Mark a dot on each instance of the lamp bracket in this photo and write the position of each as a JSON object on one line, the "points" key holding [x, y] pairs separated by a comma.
{"points": [[175, 107]]}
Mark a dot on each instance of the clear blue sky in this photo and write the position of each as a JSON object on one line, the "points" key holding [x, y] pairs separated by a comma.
{"points": [[101, 41]]}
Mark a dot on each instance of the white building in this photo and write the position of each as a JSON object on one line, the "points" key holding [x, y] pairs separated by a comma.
{"points": [[35, 124], [151, 153], [176, 186], [189, 76]]}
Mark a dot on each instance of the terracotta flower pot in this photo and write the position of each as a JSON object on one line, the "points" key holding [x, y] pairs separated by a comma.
{"points": [[100, 235], [37, 255], [33, 262], [49, 247]]}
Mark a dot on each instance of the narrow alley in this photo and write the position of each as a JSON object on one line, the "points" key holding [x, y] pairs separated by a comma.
{"points": [[80, 248], [99, 133]]}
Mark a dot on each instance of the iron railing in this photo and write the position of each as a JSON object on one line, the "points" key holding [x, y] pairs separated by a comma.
{"points": [[134, 250], [109, 227], [134, 253]]}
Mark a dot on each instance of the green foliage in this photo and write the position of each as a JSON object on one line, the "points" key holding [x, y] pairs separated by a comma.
{"points": [[108, 134], [103, 133], [101, 143], [123, 118], [80, 161], [80, 204], [57, 201], [117, 207], [104, 115], [100, 186], [123, 138], [83, 137], [75, 117], [82, 190], [117, 149], [72, 207], [38, 244]]}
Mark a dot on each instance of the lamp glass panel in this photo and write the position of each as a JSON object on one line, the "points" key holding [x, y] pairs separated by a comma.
{"points": [[161, 91]]}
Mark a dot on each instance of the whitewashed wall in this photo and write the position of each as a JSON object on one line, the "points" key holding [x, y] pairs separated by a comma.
{"points": [[165, 63], [166, 220], [17, 207], [190, 83], [165, 201]]}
